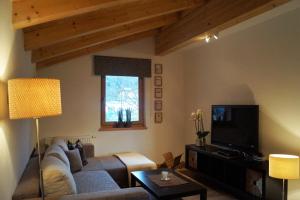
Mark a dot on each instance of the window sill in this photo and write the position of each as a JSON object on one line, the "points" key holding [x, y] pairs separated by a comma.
{"points": [[122, 129]]}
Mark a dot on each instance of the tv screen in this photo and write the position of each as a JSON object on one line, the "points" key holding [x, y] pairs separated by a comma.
{"points": [[235, 126]]}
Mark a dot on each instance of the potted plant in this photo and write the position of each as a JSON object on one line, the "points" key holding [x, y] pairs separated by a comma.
{"points": [[128, 122], [197, 117], [120, 122]]}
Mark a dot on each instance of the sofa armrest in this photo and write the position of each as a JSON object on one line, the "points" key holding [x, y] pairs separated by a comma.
{"points": [[89, 150], [136, 193]]}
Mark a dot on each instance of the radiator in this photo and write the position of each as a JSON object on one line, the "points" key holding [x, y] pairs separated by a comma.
{"points": [[73, 139]]}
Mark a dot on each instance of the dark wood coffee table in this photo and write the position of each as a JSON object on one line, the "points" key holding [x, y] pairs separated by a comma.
{"points": [[167, 192]]}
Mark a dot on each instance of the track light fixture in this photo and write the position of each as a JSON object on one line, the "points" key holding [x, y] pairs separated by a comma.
{"points": [[209, 37]]}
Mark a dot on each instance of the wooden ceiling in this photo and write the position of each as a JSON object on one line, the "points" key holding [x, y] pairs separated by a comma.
{"points": [[59, 30]]}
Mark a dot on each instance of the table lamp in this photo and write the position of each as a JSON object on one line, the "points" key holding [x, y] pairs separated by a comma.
{"points": [[284, 167], [34, 98]]}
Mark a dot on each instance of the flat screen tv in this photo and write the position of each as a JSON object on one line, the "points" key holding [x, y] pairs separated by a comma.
{"points": [[235, 126]]}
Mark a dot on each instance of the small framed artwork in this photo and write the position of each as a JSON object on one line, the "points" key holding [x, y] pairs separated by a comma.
{"points": [[157, 81], [158, 69], [158, 105], [158, 118], [158, 93]]}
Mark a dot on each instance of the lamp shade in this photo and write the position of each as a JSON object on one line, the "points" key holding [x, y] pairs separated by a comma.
{"points": [[34, 98], [284, 166]]}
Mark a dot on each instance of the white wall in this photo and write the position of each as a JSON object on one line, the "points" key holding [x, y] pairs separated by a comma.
{"points": [[258, 65], [81, 105], [15, 136]]}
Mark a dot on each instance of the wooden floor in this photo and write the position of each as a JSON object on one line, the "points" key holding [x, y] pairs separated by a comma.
{"points": [[212, 194]]}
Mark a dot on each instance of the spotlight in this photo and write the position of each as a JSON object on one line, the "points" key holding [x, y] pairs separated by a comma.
{"points": [[216, 36], [207, 39]]}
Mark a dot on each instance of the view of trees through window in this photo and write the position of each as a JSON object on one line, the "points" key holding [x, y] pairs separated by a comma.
{"points": [[122, 92]]}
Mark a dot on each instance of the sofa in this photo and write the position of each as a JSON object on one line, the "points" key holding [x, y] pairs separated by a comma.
{"points": [[101, 178]]}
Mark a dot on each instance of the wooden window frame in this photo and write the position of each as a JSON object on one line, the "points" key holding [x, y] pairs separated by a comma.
{"points": [[109, 126]]}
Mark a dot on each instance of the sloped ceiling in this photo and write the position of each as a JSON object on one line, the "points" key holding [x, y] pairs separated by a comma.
{"points": [[59, 30]]}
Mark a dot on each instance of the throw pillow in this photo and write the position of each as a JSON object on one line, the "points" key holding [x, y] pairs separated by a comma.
{"points": [[75, 160], [58, 180], [79, 146], [70, 145], [60, 142]]}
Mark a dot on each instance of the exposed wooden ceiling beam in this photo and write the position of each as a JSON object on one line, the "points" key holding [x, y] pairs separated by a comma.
{"points": [[214, 16], [57, 31], [27, 13], [94, 49], [102, 37]]}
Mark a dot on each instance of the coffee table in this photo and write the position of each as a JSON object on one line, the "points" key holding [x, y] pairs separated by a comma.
{"points": [[167, 192]]}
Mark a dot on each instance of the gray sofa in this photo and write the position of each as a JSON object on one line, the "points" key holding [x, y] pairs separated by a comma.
{"points": [[103, 178]]}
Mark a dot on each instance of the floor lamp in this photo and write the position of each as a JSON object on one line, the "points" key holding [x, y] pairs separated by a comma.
{"points": [[284, 167], [34, 98]]}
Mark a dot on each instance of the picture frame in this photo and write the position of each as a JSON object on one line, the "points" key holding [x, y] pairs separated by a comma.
{"points": [[158, 93], [158, 69], [158, 105], [158, 118], [157, 81]]}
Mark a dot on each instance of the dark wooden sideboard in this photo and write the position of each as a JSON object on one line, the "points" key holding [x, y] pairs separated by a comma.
{"points": [[245, 179]]}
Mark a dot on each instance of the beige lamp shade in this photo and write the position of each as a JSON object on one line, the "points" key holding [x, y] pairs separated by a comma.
{"points": [[284, 166], [34, 98]]}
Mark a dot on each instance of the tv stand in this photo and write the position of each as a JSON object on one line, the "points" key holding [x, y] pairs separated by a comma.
{"points": [[246, 179], [228, 153]]}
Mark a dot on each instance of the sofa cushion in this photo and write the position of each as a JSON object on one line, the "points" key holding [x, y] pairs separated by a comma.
{"points": [[56, 151], [89, 150], [28, 186], [61, 143], [75, 160], [112, 165], [93, 181], [79, 146], [58, 179], [93, 165]]}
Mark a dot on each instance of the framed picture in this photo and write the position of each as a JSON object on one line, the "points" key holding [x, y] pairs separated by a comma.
{"points": [[158, 105], [158, 93], [157, 81], [158, 69], [158, 118]]}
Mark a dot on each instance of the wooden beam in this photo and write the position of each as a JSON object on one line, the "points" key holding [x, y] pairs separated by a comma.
{"points": [[102, 37], [214, 16], [57, 31], [94, 49], [27, 13]]}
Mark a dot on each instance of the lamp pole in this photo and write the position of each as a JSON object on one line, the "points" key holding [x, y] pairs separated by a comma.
{"points": [[39, 157], [284, 189]]}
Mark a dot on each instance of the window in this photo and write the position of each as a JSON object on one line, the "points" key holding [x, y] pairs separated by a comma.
{"points": [[122, 92], [122, 87]]}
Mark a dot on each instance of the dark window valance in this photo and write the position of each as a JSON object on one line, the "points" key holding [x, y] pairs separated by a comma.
{"points": [[119, 66]]}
